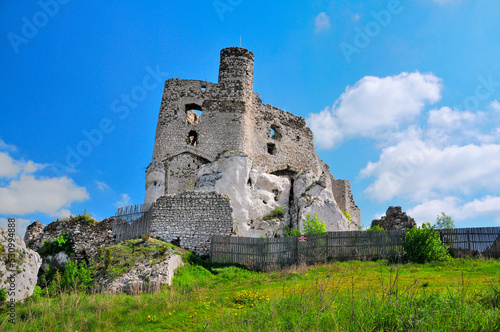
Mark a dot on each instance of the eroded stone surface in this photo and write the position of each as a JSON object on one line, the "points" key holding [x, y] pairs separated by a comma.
{"points": [[233, 118], [254, 194], [20, 269], [395, 218], [142, 278]]}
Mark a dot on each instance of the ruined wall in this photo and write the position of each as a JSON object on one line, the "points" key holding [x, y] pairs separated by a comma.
{"points": [[189, 219], [87, 238], [277, 140], [345, 200]]}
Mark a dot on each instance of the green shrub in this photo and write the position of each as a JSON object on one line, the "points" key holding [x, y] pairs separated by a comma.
{"points": [[62, 243], [84, 217], [376, 228], [277, 213], [77, 277], [314, 225], [347, 215], [37, 294], [422, 244], [444, 222], [3, 295]]}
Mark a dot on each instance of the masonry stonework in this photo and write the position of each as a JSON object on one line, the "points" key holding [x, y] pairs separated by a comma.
{"points": [[189, 219], [199, 121]]}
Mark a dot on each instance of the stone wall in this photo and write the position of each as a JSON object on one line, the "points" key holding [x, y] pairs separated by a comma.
{"points": [[189, 219], [86, 237], [345, 200]]}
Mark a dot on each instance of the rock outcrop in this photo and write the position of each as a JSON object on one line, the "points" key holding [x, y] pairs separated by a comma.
{"points": [[255, 194], [87, 238], [18, 266], [144, 277], [395, 219]]}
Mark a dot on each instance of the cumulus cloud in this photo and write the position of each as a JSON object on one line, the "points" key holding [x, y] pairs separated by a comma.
{"points": [[47, 195], [375, 106], [6, 147], [7, 166], [322, 22], [20, 223], [124, 201], [23, 192], [487, 206], [417, 170]]}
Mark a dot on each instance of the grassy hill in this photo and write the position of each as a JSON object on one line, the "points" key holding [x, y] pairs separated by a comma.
{"points": [[458, 295]]}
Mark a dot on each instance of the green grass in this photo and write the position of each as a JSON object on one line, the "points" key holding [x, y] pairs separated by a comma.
{"points": [[456, 295], [126, 254]]}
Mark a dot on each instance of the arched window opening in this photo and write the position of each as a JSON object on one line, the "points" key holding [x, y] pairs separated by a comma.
{"points": [[275, 132], [193, 138], [203, 88], [193, 114]]}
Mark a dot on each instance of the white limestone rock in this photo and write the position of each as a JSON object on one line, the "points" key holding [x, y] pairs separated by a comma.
{"points": [[315, 196], [253, 193], [22, 271]]}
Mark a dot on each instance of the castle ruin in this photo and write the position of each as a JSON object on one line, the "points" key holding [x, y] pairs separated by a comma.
{"points": [[221, 137]]}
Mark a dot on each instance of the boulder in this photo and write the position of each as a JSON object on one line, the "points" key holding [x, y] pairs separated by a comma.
{"points": [[20, 268], [395, 218], [143, 278]]}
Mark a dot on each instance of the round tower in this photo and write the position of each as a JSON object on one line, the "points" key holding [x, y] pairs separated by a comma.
{"points": [[236, 73]]}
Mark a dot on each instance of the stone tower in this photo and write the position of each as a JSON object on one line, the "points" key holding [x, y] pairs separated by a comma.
{"points": [[200, 121]]}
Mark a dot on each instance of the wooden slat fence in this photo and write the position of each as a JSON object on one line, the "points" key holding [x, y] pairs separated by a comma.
{"points": [[126, 230], [275, 253]]}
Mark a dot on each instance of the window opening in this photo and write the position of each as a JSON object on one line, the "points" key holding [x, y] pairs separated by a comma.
{"points": [[193, 138], [275, 133], [193, 114], [203, 88], [271, 148]]}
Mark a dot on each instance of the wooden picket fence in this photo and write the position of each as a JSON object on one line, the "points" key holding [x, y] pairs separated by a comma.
{"points": [[126, 230], [267, 254]]}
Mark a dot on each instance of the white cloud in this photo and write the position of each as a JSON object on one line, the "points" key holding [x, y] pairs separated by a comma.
{"points": [[21, 225], [124, 201], [47, 195], [416, 170], [487, 206], [356, 17], [445, 117], [8, 168], [25, 193], [102, 185], [375, 106], [322, 22], [495, 105], [7, 147]]}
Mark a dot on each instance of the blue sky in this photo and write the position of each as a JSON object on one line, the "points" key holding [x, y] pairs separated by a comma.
{"points": [[403, 96]]}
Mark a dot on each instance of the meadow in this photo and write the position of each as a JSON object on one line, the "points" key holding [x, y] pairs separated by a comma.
{"points": [[454, 295]]}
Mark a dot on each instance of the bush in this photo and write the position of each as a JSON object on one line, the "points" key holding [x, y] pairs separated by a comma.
{"points": [[423, 245], [376, 228], [347, 215], [277, 213], [76, 276], [314, 225], [3, 295], [84, 217], [444, 222], [62, 243]]}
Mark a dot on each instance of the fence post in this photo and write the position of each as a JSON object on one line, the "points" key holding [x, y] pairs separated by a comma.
{"points": [[297, 251]]}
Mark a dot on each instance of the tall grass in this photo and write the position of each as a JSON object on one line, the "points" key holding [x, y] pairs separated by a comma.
{"points": [[458, 295]]}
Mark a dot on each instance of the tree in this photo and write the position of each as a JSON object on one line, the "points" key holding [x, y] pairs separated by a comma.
{"points": [[444, 221]]}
